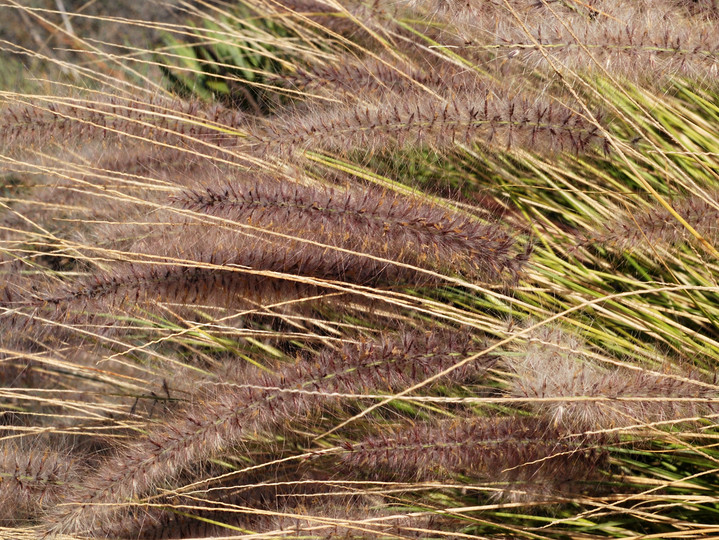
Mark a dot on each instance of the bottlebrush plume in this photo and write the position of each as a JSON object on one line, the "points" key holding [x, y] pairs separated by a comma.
{"points": [[392, 226], [269, 492], [176, 283], [163, 165], [489, 116], [649, 41], [325, 517], [69, 208], [469, 17], [294, 500], [40, 122], [57, 312], [657, 227], [555, 364], [215, 278], [705, 8], [228, 278], [528, 458], [33, 480], [220, 420], [625, 39]]}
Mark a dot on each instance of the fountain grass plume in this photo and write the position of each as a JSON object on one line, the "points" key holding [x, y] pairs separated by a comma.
{"points": [[526, 458], [380, 78], [233, 412], [655, 226], [36, 122], [33, 479], [270, 502], [490, 116], [556, 364], [239, 272], [642, 41], [394, 226]]}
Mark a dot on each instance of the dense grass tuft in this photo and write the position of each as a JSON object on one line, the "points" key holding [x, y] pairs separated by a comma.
{"points": [[416, 269]]}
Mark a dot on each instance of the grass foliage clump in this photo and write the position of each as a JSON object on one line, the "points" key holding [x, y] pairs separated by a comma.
{"points": [[412, 269]]}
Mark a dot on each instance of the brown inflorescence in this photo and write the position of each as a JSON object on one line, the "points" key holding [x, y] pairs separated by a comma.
{"points": [[589, 396], [523, 459], [232, 412]]}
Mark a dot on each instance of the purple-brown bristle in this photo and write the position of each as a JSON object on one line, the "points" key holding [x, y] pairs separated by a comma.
{"points": [[33, 480], [525, 457], [233, 412], [392, 226], [656, 226], [412, 119], [557, 364]]}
